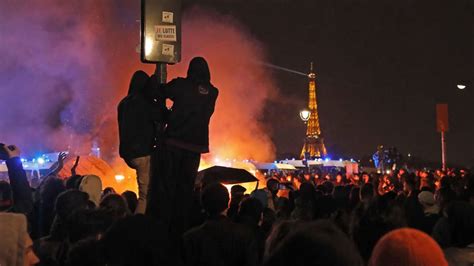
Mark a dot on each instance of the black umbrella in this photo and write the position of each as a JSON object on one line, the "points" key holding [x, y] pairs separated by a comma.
{"points": [[225, 175]]}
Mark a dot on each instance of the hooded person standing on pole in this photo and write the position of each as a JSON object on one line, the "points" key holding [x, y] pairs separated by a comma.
{"points": [[186, 138], [140, 115]]}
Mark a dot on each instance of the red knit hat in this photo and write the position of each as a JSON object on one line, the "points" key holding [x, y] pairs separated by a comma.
{"points": [[407, 247]]}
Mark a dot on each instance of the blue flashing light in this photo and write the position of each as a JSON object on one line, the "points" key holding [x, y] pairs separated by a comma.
{"points": [[23, 160], [40, 160], [340, 159], [327, 159]]}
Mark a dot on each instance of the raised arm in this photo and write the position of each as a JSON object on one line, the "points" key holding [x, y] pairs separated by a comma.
{"points": [[21, 191]]}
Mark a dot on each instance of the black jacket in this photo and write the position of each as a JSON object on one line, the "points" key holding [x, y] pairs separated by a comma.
{"points": [[139, 118], [194, 99], [21, 191], [219, 242]]}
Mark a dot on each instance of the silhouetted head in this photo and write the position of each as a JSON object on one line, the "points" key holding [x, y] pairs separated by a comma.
{"points": [[70, 201], [88, 223], [131, 199], [315, 243], [198, 71], [215, 199], [115, 204], [137, 83], [252, 209]]}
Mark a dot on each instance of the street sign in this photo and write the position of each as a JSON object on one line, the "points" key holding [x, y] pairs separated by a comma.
{"points": [[161, 31]]}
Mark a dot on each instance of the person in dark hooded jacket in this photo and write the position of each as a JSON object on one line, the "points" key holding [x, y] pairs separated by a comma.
{"points": [[139, 116], [186, 137]]}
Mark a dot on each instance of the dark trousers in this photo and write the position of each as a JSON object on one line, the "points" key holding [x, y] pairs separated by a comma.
{"points": [[171, 186]]}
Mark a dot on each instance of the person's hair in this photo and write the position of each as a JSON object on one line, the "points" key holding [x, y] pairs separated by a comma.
{"points": [[251, 208], [85, 252], [445, 195], [107, 191], [327, 187], [278, 233], [115, 204], [215, 199], [131, 199], [324, 207], [51, 188], [372, 221], [88, 223], [69, 201], [445, 182], [49, 191], [138, 82], [315, 243], [367, 191]]}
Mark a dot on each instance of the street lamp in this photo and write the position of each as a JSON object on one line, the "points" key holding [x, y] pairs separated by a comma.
{"points": [[304, 115], [461, 86]]}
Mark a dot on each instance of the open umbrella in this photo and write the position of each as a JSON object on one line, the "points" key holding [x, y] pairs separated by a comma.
{"points": [[225, 175]]}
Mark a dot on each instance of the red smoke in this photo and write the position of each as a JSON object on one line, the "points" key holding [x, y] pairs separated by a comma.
{"points": [[66, 65]]}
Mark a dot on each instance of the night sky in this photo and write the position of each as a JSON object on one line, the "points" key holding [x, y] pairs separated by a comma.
{"points": [[381, 68]]}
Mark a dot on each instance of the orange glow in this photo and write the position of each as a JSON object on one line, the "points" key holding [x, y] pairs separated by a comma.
{"points": [[236, 128]]}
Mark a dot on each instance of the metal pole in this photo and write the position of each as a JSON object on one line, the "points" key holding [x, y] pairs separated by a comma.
{"points": [[443, 151], [161, 72]]}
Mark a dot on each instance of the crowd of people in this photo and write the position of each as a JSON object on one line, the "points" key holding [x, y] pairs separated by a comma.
{"points": [[303, 218], [402, 218]]}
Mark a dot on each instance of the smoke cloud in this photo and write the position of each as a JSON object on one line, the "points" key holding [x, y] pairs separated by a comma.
{"points": [[65, 65]]}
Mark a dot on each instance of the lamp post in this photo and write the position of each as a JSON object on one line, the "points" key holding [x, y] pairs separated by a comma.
{"points": [[304, 115]]}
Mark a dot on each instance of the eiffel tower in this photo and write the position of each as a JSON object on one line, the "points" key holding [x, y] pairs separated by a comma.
{"points": [[314, 142]]}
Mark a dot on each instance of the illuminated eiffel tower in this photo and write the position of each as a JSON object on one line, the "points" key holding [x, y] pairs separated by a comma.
{"points": [[314, 142]]}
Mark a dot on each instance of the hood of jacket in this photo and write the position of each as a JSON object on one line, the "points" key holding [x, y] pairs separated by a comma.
{"points": [[198, 71], [138, 82]]}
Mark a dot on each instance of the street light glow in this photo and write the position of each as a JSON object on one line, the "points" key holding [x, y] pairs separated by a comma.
{"points": [[304, 115], [461, 86]]}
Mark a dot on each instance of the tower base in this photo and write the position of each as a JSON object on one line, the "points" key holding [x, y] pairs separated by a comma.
{"points": [[313, 148]]}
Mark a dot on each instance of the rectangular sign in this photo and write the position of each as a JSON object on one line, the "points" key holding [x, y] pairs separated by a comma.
{"points": [[165, 33], [160, 31], [442, 122]]}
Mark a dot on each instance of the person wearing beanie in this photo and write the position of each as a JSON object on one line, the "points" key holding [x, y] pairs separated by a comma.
{"points": [[407, 247], [16, 247], [92, 185]]}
